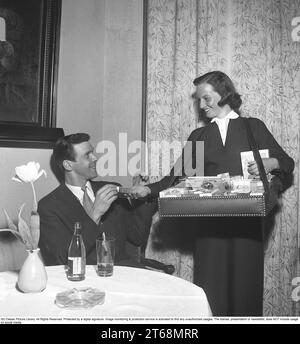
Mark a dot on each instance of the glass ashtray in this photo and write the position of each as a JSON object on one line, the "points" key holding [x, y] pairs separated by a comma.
{"points": [[77, 298]]}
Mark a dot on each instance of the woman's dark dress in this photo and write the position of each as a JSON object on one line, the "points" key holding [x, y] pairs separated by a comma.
{"points": [[228, 253]]}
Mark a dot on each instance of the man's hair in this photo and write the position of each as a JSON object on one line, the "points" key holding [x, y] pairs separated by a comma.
{"points": [[223, 85], [64, 150]]}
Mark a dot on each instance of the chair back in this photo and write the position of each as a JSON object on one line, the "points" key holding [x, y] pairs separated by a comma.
{"points": [[12, 252]]}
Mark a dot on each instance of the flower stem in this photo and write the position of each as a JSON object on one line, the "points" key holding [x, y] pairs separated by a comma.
{"points": [[34, 198]]}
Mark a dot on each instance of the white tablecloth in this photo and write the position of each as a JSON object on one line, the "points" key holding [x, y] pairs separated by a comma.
{"points": [[130, 292]]}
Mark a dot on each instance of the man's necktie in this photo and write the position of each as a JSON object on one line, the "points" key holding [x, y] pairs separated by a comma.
{"points": [[87, 203]]}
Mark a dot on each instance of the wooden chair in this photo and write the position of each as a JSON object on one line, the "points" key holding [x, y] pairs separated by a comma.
{"points": [[139, 252], [12, 252]]}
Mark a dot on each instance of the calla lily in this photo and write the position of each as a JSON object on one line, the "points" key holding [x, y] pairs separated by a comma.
{"points": [[28, 173]]}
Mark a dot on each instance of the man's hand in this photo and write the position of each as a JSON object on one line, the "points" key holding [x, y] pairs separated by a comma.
{"points": [[139, 191], [103, 200], [270, 164]]}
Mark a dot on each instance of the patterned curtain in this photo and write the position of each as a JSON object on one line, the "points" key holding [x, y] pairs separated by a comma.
{"points": [[251, 41]]}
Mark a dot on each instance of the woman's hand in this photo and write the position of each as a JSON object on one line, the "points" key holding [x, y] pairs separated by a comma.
{"points": [[270, 164], [139, 191]]}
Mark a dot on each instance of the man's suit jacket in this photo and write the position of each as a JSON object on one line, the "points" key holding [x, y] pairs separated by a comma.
{"points": [[60, 209]]}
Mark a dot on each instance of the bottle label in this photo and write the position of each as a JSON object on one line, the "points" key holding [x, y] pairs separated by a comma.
{"points": [[75, 265]]}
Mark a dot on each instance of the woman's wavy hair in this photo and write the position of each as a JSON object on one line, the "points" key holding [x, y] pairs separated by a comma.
{"points": [[223, 85]]}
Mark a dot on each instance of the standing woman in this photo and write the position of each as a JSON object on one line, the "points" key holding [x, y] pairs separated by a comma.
{"points": [[228, 251]]}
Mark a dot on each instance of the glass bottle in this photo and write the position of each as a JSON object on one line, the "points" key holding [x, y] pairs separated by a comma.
{"points": [[76, 256]]}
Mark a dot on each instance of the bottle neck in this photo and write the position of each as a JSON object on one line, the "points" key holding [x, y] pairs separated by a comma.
{"points": [[77, 231], [77, 228]]}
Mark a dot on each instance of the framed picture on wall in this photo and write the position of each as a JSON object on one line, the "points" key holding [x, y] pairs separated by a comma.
{"points": [[29, 48]]}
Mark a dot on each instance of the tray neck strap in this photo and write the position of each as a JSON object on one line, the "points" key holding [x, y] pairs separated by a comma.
{"points": [[257, 157]]}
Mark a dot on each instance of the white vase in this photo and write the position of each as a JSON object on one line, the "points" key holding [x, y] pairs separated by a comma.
{"points": [[32, 276]]}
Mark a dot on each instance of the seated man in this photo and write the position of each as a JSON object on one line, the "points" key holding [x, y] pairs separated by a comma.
{"points": [[95, 204]]}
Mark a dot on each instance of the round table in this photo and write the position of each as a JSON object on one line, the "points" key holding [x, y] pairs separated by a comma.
{"points": [[130, 292]]}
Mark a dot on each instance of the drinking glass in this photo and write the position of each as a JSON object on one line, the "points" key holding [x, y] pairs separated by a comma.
{"points": [[105, 256]]}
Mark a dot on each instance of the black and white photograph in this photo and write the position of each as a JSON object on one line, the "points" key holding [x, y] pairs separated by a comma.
{"points": [[149, 164]]}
